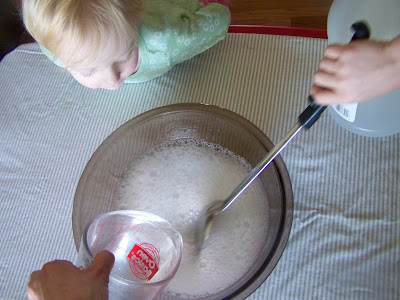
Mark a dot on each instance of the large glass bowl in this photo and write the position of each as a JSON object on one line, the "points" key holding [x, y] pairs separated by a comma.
{"points": [[99, 182]]}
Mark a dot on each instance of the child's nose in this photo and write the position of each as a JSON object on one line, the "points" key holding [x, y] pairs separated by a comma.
{"points": [[113, 75]]}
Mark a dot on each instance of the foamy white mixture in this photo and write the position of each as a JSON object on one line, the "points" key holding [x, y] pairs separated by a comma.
{"points": [[176, 181]]}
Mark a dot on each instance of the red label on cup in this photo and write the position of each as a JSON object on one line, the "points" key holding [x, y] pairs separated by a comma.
{"points": [[144, 261]]}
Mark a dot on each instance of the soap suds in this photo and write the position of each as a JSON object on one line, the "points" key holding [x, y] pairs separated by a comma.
{"points": [[177, 181]]}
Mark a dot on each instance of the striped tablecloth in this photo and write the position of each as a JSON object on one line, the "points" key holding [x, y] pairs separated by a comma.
{"points": [[345, 237]]}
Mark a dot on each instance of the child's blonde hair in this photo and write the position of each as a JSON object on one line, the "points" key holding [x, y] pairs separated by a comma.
{"points": [[65, 27]]}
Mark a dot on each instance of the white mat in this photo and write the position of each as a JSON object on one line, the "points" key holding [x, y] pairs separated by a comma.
{"points": [[344, 242]]}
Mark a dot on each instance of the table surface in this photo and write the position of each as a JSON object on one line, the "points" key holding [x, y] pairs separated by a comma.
{"points": [[344, 241]]}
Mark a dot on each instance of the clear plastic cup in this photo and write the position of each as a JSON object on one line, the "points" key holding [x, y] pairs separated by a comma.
{"points": [[146, 247]]}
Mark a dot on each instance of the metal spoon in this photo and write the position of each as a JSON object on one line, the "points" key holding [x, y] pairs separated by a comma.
{"points": [[305, 120]]}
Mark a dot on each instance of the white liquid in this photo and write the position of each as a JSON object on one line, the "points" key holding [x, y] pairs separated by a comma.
{"points": [[177, 181]]}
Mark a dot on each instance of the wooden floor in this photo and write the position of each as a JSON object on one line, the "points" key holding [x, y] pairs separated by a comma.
{"points": [[292, 13]]}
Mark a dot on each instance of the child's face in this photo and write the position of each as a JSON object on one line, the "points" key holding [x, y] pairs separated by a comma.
{"points": [[110, 71]]}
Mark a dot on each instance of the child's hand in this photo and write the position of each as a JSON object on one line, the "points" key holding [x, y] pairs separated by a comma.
{"points": [[226, 3]]}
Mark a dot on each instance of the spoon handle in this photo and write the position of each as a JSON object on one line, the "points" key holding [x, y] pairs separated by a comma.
{"points": [[262, 165]]}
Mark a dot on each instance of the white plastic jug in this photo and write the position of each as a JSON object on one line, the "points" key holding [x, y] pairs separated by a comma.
{"points": [[381, 116]]}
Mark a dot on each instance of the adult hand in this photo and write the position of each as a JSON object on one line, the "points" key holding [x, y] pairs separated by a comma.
{"points": [[357, 72], [60, 279]]}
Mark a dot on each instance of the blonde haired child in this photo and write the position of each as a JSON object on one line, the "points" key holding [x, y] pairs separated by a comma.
{"points": [[104, 43]]}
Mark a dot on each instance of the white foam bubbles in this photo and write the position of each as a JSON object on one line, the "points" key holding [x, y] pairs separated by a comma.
{"points": [[177, 181]]}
